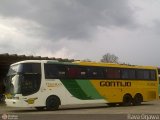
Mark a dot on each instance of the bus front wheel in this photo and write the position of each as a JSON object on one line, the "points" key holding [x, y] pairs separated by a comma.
{"points": [[52, 103]]}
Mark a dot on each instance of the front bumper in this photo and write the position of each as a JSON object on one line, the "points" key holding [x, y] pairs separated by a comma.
{"points": [[17, 103]]}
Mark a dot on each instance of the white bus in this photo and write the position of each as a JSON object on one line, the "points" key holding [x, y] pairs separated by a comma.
{"points": [[46, 84]]}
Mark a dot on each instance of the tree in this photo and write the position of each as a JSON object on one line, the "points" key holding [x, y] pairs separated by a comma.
{"points": [[109, 58]]}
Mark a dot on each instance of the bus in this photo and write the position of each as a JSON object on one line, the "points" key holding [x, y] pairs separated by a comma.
{"points": [[47, 84], [159, 81]]}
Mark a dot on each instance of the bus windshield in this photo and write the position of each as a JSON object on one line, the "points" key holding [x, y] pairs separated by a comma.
{"points": [[12, 80], [23, 79]]}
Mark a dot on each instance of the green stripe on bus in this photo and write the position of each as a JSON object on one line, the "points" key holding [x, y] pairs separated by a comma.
{"points": [[89, 89], [81, 89], [73, 87]]}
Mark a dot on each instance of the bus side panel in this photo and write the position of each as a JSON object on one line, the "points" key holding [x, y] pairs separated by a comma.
{"points": [[72, 92], [113, 91]]}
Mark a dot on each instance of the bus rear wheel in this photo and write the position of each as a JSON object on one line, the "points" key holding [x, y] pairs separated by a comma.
{"points": [[52, 103], [127, 100], [138, 98]]}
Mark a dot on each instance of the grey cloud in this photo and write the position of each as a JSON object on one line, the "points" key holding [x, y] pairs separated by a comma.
{"points": [[156, 27], [72, 19]]}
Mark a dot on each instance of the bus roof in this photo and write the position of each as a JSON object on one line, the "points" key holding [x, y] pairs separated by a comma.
{"points": [[114, 65], [84, 63], [34, 61]]}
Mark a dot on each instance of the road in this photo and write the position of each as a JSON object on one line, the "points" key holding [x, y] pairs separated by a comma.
{"points": [[84, 112]]}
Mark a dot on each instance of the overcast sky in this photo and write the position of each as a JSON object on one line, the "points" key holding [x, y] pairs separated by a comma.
{"points": [[82, 29]]}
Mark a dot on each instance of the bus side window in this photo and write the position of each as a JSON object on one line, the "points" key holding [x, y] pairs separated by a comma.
{"points": [[61, 71], [132, 74], [113, 73], [143, 74], [83, 72], [32, 68], [51, 71], [125, 74], [129, 74], [95, 72], [73, 72], [153, 75], [139, 74], [146, 74]]}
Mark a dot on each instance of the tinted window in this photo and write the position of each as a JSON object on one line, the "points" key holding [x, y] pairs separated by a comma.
{"points": [[31, 78], [139, 74], [124, 74], [58, 71], [143, 74], [31, 68], [95, 72], [153, 75], [112, 73], [53, 71], [146, 74], [132, 74], [61, 71], [74, 72], [30, 83]]}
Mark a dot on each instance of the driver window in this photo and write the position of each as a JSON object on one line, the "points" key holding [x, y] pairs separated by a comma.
{"points": [[31, 78]]}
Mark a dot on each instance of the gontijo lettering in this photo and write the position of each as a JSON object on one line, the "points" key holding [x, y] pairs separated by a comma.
{"points": [[115, 84]]}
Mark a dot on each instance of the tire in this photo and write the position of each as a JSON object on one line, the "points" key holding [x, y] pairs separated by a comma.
{"points": [[127, 100], [40, 108], [52, 103], [138, 98]]}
